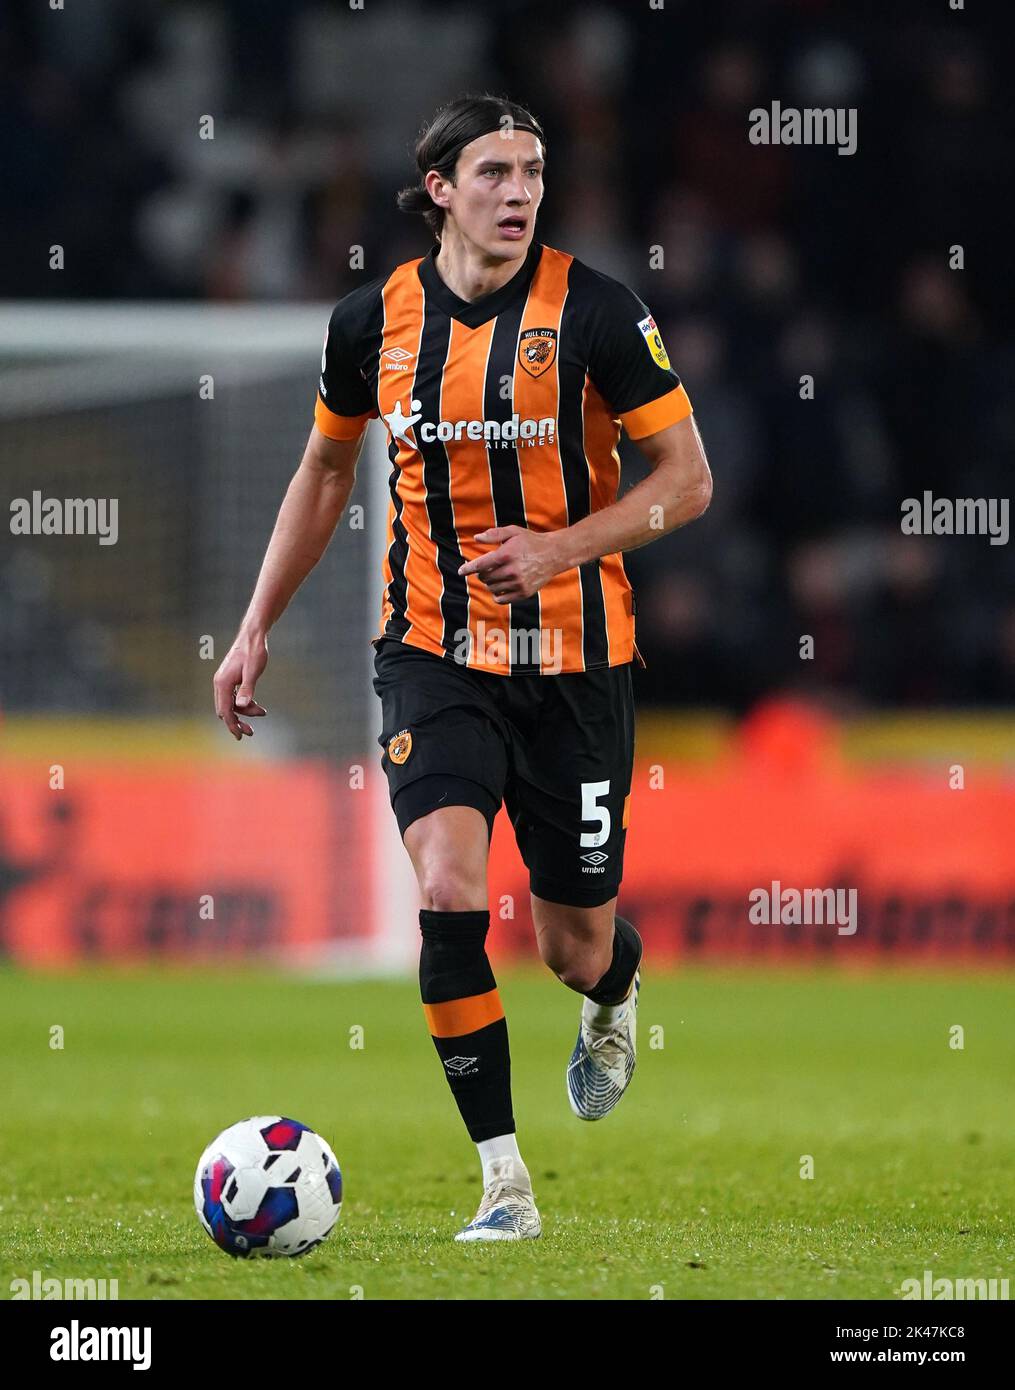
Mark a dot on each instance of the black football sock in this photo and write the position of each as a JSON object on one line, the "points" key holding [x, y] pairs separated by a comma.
{"points": [[627, 948], [466, 1021]]}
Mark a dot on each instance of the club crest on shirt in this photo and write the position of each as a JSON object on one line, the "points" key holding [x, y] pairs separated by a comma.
{"points": [[400, 747], [654, 342], [537, 350]]}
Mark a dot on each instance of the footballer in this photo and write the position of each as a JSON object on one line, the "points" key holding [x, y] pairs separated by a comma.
{"points": [[503, 370]]}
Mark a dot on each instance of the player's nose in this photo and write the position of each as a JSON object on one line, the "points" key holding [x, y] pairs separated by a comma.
{"points": [[517, 191]]}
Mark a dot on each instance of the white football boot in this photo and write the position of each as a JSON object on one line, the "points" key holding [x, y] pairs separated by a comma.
{"points": [[603, 1059], [508, 1209]]}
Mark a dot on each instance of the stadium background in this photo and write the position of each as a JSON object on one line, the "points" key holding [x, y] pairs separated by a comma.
{"points": [[191, 259]]}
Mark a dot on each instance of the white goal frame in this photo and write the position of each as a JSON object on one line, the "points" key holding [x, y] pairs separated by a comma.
{"points": [[68, 354]]}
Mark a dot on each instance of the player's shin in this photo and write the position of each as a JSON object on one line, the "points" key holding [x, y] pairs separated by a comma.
{"points": [[612, 990], [466, 1021]]}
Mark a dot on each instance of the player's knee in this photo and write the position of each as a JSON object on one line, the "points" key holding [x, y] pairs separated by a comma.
{"points": [[579, 976], [446, 888], [572, 963]]}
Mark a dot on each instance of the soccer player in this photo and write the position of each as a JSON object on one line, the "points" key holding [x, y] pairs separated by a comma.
{"points": [[503, 371]]}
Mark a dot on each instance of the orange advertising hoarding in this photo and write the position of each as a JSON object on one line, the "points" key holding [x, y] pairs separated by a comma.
{"points": [[186, 861], [191, 861], [932, 868]]}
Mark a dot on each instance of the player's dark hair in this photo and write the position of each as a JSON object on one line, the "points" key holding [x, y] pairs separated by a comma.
{"points": [[442, 140]]}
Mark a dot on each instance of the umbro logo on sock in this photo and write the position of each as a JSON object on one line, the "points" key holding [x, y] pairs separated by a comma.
{"points": [[460, 1065]]}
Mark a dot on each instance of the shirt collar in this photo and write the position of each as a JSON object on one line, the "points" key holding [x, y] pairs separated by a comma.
{"points": [[474, 312]]}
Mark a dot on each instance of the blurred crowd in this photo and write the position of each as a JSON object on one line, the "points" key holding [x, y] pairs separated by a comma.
{"points": [[779, 263]]}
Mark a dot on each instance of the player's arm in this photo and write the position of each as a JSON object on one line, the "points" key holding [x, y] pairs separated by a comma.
{"points": [[630, 369], [308, 516], [313, 504], [678, 490]]}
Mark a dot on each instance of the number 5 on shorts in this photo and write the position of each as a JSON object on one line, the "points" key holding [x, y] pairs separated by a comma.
{"points": [[591, 792]]}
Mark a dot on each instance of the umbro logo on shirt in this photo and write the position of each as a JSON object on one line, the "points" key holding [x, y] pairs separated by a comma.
{"points": [[397, 359], [512, 431]]}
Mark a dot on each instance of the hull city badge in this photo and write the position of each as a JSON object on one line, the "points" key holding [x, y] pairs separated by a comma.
{"points": [[537, 350], [400, 747]]}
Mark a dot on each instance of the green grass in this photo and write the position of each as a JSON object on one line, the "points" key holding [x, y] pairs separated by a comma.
{"points": [[692, 1184]]}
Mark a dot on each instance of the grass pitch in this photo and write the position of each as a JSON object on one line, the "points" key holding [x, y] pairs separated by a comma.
{"points": [[691, 1189]]}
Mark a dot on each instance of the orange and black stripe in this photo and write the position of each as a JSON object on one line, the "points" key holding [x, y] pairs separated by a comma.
{"points": [[465, 1018], [403, 320], [456, 1018], [435, 363]]}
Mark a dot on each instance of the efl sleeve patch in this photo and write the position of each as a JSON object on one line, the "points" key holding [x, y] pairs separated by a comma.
{"points": [[654, 342], [628, 363]]}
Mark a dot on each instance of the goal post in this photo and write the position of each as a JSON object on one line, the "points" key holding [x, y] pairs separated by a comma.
{"points": [[185, 422]]}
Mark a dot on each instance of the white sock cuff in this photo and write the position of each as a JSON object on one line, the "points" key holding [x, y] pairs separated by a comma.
{"points": [[503, 1146]]}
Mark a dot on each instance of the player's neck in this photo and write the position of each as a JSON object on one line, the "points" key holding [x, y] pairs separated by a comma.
{"points": [[470, 273]]}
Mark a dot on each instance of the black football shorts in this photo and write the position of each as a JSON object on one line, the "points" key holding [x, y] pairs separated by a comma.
{"points": [[558, 751]]}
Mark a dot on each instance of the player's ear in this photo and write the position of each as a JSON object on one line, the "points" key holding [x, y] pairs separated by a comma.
{"points": [[434, 184]]}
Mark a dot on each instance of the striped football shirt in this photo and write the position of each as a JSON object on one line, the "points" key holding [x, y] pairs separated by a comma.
{"points": [[505, 410]]}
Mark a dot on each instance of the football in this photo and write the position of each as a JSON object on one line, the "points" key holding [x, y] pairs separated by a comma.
{"points": [[268, 1186]]}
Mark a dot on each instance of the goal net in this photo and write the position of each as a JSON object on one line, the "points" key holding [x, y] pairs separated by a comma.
{"points": [[145, 450]]}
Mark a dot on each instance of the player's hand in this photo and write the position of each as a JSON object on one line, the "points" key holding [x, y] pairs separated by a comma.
{"points": [[521, 564], [234, 684]]}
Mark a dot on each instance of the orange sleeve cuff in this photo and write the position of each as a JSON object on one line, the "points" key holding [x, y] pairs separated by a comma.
{"points": [[340, 426], [658, 414]]}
